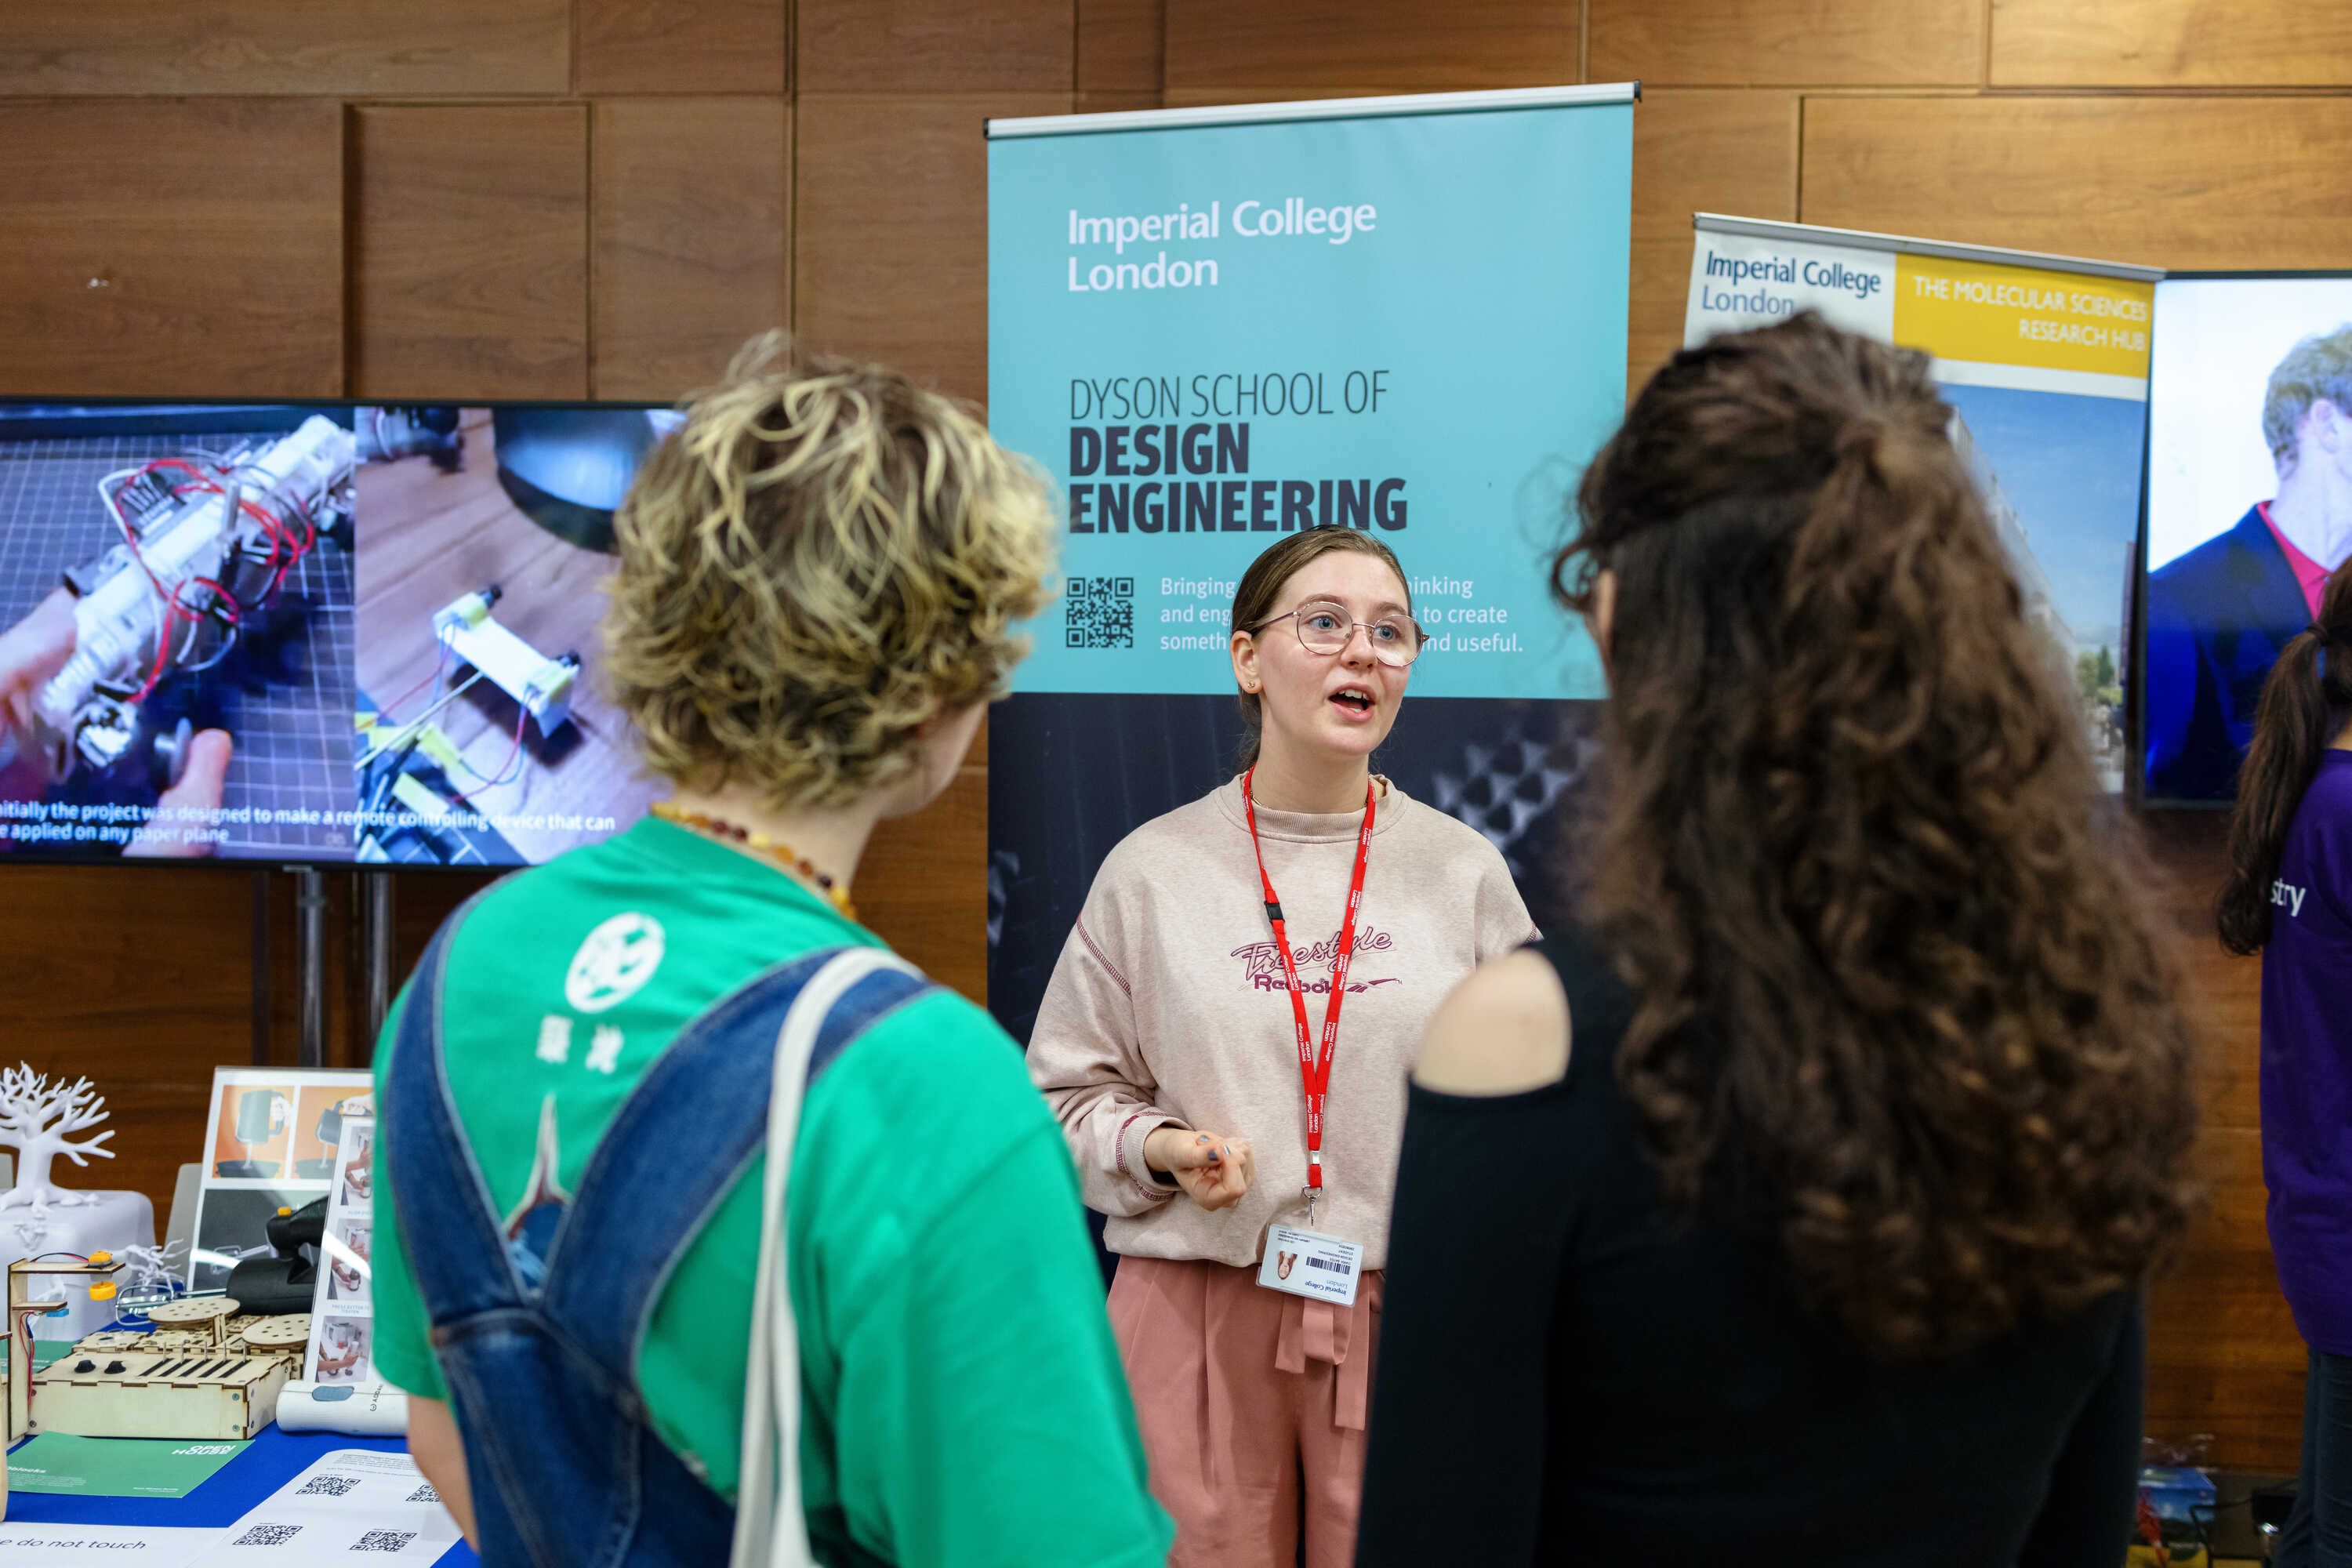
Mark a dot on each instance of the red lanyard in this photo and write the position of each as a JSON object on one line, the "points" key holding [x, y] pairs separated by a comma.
{"points": [[1314, 1067]]}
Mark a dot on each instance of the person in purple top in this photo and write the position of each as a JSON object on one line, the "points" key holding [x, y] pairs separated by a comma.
{"points": [[2290, 898]]}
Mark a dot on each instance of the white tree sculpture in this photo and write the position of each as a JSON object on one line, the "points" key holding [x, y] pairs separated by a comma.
{"points": [[143, 1268], [37, 1118]]}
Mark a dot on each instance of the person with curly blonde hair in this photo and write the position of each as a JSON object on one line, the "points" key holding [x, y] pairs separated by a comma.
{"points": [[709, 1230]]}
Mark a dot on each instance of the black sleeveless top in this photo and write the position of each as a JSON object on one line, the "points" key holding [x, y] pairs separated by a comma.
{"points": [[1568, 1374]]}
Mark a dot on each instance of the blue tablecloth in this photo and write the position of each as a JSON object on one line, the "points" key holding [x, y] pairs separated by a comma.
{"points": [[271, 1460]]}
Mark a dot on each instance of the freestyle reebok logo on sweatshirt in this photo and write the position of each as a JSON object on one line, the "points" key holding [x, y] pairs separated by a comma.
{"points": [[2289, 898], [1262, 963]]}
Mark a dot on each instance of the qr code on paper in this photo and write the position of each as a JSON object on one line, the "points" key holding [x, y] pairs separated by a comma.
{"points": [[268, 1535], [1099, 611], [424, 1494], [328, 1485], [383, 1540]]}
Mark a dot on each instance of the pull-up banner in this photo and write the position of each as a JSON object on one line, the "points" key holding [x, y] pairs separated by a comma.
{"points": [[1213, 327], [2044, 359]]}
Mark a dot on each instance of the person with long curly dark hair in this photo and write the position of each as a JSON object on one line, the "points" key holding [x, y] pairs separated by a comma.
{"points": [[2289, 898], [1795, 1205]]}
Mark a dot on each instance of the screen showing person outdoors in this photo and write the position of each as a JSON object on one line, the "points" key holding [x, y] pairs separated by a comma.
{"points": [[310, 633], [2249, 506]]}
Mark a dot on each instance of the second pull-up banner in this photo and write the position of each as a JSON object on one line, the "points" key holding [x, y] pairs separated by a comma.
{"points": [[2044, 362]]}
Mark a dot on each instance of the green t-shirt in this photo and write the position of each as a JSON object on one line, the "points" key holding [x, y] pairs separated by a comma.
{"points": [[964, 1401]]}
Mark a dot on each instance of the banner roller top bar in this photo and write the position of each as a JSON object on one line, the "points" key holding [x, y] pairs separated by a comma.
{"points": [[1861, 239], [1314, 108]]}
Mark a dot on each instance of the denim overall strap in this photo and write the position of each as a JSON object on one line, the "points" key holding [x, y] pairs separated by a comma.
{"points": [[676, 1148], [437, 1189]]}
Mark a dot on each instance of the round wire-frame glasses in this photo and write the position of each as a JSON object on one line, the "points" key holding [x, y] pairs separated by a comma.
{"points": [[1326, 627]]}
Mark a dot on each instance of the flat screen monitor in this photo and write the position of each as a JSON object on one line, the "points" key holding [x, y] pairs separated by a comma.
{"points": [[310, 633], [2249, 506]]}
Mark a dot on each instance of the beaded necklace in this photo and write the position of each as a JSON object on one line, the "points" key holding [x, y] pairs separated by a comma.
{"points": [[784, 855]]}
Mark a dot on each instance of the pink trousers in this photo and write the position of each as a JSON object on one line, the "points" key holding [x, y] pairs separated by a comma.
{"points": [[1252, 1404]]}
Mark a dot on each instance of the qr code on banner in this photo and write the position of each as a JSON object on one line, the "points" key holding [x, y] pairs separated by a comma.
{"points": [[328, 1485], [268, 1535], [424, 1494], [1100, 613], [383, 1540]]}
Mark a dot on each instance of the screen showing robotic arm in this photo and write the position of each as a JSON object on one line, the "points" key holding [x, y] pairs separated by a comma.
{"points": [[320, 634], [208, 540]]}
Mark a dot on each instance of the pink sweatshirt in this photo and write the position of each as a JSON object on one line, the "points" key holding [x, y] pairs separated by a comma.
{"points": [[1168, 1007]]}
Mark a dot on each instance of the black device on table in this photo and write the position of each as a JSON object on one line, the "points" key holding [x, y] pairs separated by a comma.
{"points": [[285, 1281]]}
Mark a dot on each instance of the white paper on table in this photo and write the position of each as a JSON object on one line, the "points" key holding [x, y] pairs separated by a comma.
{"points": [[351, 1500], [68, 1545]]}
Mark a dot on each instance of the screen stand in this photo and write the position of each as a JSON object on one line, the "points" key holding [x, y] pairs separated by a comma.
{"points": [[311, 962], [376, 935]]}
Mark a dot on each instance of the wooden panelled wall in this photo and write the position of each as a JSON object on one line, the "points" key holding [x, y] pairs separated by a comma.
{"points": [[563, 198]]}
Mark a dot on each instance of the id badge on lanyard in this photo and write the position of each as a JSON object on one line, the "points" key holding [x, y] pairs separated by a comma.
{"points": [[1310, 1264], [1304, 1262]]}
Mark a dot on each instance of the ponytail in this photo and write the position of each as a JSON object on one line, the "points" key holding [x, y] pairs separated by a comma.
{"points": [[2306, 702]]}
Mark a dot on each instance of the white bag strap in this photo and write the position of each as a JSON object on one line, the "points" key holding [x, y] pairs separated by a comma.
{"points": [[771, 1530]]}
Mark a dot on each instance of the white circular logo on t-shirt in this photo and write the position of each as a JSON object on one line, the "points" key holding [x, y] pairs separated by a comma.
{"points": [[614, 963]]}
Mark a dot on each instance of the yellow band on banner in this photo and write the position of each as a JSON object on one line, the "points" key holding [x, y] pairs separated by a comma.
{"points": [[1997, 314]]}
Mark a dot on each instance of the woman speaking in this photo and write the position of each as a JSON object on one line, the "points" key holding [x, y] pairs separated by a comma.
{"points": [[1226, 1041]]}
